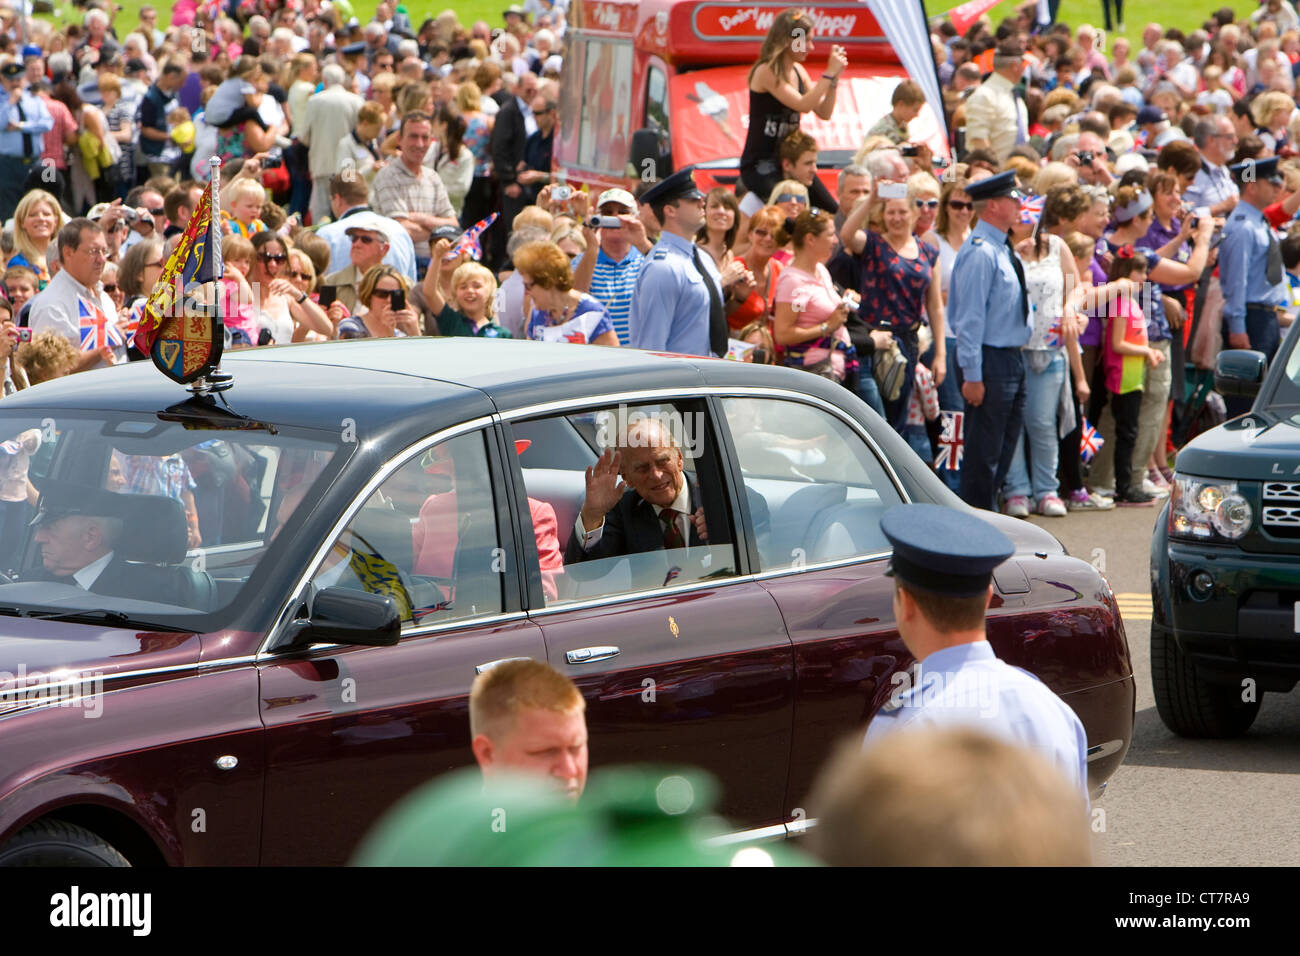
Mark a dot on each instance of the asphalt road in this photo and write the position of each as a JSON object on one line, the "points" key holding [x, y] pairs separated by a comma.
{"points": [[1178, 802]]}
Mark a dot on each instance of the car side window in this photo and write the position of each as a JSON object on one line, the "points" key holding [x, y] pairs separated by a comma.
{"points": [[816, 490], [611, 536], [427, 537]]}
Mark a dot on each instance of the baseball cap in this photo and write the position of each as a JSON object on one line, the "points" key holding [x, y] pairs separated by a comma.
{"points": [[620, 196]]}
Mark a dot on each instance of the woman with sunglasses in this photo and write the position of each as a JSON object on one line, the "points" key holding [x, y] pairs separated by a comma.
{"points": [[952, 226], [762, 264], [377, 318], [302, 273], [899, 291], [283, 307], [791, 198], [138, 273], [923, 191]]}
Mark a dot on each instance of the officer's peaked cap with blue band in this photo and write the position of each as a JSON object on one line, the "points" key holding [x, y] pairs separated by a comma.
{"points": [[943, 550]]}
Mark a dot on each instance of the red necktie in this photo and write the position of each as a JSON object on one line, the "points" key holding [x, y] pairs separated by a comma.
{"points": [[672, 535]]}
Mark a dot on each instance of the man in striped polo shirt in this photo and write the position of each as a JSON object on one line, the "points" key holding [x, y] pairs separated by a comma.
{"points": [[611, 274]]}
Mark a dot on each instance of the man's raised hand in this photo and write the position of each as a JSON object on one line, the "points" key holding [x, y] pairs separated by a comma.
{"points": [[604, 489]]}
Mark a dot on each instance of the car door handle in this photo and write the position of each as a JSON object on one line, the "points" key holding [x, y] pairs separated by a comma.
{"points": [[491, 664], [585, 655]]}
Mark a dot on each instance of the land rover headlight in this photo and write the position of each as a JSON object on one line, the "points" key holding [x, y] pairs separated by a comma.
{"points": [[1204, 510]]}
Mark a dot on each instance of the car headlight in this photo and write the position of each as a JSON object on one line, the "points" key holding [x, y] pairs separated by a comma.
{"points": [[1205, 510]]}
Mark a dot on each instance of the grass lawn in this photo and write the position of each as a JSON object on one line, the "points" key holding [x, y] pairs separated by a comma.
{"points": [[1185, 16]]}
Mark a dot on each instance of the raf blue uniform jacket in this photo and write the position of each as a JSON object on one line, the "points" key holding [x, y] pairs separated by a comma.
{"points": [[37, 122], [1243, 256], [670, 308], [984, 300], [968, 686]]}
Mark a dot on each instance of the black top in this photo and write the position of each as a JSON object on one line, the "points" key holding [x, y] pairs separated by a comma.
{"points": [[770, 121]]}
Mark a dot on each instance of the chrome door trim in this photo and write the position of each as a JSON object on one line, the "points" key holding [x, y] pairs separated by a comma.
{"points": [[1104, 750], [779, 831], [298, 592], [713, 391]]}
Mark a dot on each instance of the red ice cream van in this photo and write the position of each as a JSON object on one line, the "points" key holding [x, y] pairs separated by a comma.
{"points": [[662, 84]]}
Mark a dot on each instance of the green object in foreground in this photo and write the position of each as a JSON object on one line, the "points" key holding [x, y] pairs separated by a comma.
{"points": [[628, 816]]}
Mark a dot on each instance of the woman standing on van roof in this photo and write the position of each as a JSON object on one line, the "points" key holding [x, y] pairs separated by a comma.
{"points": [[779, 92]]}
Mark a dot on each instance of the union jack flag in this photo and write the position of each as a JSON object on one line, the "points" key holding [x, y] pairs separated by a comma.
{"points": [[11, 447], [468, 242], [951, 441], [1052, 337], [97, 330], [1031, 210], [1091, 441]]}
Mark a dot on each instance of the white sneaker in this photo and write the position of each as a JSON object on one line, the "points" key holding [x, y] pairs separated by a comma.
{"points": [[1151, 488]]}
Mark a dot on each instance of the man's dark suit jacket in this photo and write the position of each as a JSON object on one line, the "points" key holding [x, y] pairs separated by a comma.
{"points": [[119, 579], [631, 527], [509, 137]]}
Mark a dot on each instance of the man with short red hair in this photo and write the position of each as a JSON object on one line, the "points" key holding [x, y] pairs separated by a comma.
{"points": [[525, 717]]}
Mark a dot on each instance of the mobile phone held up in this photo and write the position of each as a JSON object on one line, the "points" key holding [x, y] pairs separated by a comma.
{"points": [[328, 293], [398, 300]]}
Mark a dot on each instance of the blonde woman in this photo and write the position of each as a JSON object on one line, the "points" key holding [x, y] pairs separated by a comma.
{"points": [[1271, 112], [37, 221], [790, 197]]}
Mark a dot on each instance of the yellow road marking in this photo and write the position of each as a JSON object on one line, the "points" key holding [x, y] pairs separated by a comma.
{"points": [[1134, 605]]}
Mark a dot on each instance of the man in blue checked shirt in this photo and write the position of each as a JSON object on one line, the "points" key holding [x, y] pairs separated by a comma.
{"points": [[24, 121], [988, 307], [1250, 268]]}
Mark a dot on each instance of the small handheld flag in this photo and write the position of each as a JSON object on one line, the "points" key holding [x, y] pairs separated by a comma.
{"points": [[97, 329], [469, 241], [951, 441], [1031, 210], [1091, 442]]}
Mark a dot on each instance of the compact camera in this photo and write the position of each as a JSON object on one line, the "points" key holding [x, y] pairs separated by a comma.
{"points": [[1085, 157], [604, 222], [561, 193], [274, 158]]}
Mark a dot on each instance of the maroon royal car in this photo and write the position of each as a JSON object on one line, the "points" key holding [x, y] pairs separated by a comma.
{"points": [[298, 581]]}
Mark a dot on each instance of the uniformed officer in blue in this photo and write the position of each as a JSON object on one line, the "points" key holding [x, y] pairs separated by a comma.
{"points": [[942, 567], [677, 305], [989, 311], [1250, 266], [24, 121]]}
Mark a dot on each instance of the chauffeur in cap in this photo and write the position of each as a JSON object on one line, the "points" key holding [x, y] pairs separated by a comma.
{"points": [[78, 529], [989, 311], [1250, 265], [942, 567], [677, 305]]}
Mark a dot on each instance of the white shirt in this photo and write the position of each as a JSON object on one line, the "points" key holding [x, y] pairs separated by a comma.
{"points": [[56, 309], [91, 572], [530, 121], [680, 504]]}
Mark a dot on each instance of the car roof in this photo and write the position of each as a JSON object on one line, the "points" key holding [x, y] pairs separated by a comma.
{"points": [[439, 381]]}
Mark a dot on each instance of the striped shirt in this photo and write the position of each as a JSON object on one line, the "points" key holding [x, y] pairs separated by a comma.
{"points": [[613, 283]]}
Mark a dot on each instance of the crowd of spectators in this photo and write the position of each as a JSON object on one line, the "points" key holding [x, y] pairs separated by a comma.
{"points": [[359, 161]]}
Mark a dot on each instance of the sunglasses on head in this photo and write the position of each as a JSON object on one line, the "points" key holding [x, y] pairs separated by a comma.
{"points": [[269, 257], [791, 197]]}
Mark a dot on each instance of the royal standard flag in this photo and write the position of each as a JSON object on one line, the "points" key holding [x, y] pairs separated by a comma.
{"points": [[186, 343]]}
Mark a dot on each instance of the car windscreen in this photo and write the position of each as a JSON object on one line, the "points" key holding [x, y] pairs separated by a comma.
{"points": [[145, 521], [1287, 391]]}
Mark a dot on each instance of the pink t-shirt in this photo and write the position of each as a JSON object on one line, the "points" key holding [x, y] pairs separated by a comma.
{"points": [[813, 298]]}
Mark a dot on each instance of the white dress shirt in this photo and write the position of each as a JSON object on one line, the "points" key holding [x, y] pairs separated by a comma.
{"points": [[91, 572], [681, 504]]}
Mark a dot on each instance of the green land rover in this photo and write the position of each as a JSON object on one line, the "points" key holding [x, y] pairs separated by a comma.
{"points": [[1225, 556]]}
